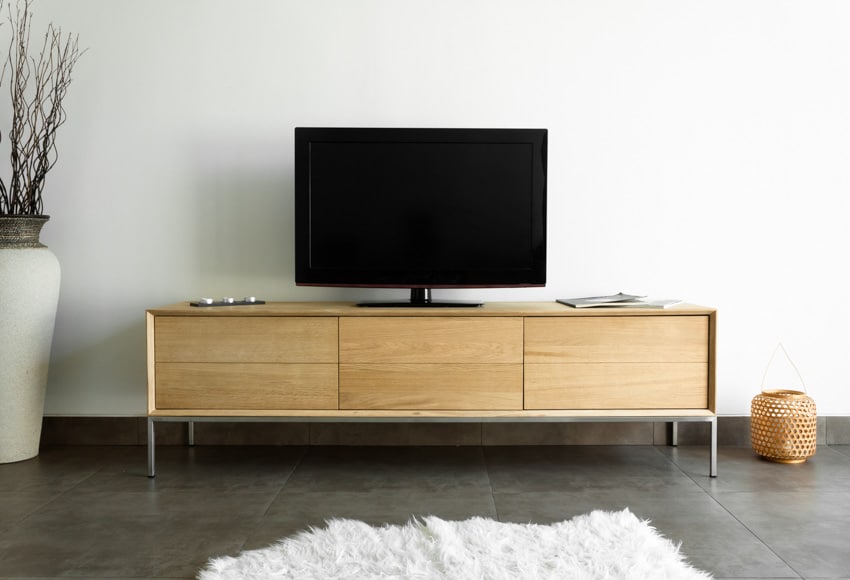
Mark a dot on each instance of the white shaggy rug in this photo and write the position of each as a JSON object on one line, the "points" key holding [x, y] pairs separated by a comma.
{"points": [[599, 545]]}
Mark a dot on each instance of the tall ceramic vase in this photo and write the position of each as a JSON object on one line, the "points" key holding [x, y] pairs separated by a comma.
{"points": [[29, 294]]}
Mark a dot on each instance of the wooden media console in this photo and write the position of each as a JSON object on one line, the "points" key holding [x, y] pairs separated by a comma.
{"points": [[531, 361]]}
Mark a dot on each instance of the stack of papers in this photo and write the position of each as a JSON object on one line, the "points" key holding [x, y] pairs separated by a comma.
{"points": [[619, 301]]}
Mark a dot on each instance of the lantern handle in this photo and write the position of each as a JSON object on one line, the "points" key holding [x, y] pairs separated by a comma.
{"points": [[769, 362]]}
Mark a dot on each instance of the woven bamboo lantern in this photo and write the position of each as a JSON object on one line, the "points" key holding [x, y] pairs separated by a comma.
{"points": [[783, 424]]}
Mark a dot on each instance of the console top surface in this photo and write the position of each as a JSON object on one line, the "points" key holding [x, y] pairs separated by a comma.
{"points": [[488, 309]]}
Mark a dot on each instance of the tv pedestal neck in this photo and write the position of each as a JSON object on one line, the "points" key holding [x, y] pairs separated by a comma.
{"points": [[420, 297]]}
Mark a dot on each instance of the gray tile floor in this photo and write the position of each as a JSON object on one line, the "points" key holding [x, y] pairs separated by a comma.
{"points": [[91, 512]]}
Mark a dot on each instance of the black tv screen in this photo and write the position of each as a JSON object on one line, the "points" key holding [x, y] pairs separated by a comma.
{"points": [[420, 208]]}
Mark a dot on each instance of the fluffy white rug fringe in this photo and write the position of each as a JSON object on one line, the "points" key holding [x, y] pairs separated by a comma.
{"points": [[598, 545]]}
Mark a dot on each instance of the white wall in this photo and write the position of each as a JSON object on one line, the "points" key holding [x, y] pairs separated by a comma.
{"points": [[696, 149]]}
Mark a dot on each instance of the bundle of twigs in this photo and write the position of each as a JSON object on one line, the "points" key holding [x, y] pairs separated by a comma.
{"points": [[37, 87]]}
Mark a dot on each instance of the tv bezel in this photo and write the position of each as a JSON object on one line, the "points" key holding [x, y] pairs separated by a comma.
{"points": [[534, 276]]}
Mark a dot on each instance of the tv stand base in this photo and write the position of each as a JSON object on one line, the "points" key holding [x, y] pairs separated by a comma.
{"points": [[420, 298], [437, 304]]}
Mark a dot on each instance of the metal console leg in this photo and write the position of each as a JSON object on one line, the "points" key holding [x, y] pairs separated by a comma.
{"points": [[191, 433], [712, 469], [674, 434], [151, 449]]}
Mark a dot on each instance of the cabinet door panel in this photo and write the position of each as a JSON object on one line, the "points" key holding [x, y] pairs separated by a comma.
{"points": [[616, 386], [431, 386], [431, 340], [246, 339], [241, 386], [617, 339]]}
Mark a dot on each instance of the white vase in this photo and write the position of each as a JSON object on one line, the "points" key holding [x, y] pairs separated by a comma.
{"points": [[29, 294]]}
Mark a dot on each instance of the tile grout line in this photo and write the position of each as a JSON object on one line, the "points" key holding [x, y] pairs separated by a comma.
{"points": [[713, 499], [490, 483]]}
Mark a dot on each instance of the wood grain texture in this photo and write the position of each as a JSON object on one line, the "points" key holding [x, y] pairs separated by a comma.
{"points": [[436, 339], [616, 386], [430, 386], [617, 339], [246, 339], [246, 386]]}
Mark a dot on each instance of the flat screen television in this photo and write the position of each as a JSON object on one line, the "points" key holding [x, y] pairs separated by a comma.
{"points": [[420, 209]]}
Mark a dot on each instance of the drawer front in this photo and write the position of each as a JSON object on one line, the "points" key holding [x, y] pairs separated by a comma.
{"points": [[438, 340], [617, 362], [616, 386], [238, 386], [246, 339], [431, 386], [617, 339]]}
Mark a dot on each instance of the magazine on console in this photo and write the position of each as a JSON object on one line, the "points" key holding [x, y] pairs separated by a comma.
{"points": [[620, 300]]}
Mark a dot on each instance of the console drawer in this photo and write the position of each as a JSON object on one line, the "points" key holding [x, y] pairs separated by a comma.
{"points": [[431, 386], [617, 339], [440, 340], [239, 386], [246, 339], [616, 386]]}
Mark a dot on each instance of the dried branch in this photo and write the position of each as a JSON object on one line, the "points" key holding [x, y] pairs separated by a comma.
{"points": [[37, 87], [4, 195]]}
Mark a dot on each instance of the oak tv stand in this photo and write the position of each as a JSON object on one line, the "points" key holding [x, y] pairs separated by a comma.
{"points": [[512, 362]]}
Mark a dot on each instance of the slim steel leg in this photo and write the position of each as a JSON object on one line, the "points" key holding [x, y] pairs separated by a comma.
{"points": [[151, 449], [712, 470], [674, 434], [191, 428]]}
